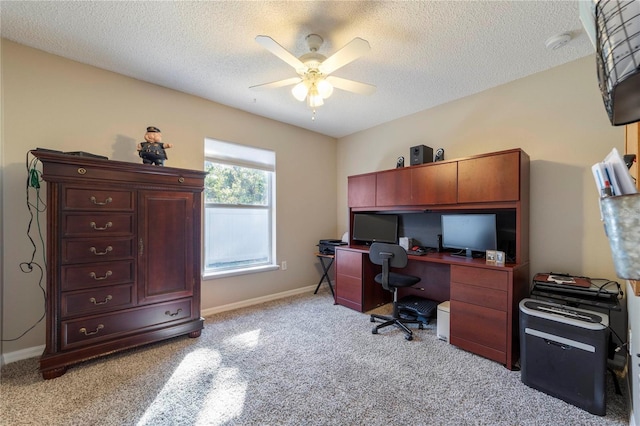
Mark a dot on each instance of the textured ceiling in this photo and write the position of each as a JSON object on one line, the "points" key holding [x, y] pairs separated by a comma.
{"points": [[423, 53]]}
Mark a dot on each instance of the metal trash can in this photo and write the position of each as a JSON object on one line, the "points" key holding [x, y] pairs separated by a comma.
{"points": [[563, 353]]}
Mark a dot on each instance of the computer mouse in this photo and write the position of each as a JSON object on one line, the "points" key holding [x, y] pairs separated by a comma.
{"points": [[421, 250]]}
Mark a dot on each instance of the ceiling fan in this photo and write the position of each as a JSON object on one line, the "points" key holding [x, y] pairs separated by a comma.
{"points": [[314, 82]]}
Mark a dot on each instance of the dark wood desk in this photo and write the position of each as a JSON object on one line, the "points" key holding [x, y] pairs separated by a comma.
{"points": [[483, 298]]}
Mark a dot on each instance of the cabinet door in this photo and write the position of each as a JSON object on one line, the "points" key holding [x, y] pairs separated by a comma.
{"points": [[393, 188], [434, 184], [489, 179], [165, 249], [361, 190]]}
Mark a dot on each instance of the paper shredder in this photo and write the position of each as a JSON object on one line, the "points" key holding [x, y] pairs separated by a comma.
{"points": [[563, 353]]}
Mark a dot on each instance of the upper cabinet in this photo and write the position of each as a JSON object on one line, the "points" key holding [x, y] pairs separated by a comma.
{"points": [[393, 187], [490, 178], [362, 190], [499, 177], [434, 183]]}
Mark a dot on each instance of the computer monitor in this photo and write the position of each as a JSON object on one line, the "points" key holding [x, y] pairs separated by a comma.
{"points": [[370, 227], [469, 232]]}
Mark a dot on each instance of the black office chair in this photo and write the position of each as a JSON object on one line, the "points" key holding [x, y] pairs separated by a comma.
{"points": [[392, 256]]}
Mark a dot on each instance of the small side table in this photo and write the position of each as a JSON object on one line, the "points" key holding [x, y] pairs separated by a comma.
{"points": [[326, 260]]}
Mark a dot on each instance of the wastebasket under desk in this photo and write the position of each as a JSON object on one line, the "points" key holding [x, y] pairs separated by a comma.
{"points": [[563, 353]]}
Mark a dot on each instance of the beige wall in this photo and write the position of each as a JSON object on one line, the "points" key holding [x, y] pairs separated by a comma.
{"points": [[557, 117], [51, 102]]}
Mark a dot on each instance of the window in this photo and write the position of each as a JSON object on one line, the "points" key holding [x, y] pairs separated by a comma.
{"points": [[239, 219]]}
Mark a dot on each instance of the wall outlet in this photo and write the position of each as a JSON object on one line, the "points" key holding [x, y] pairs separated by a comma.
{"points": [[284, 265]]}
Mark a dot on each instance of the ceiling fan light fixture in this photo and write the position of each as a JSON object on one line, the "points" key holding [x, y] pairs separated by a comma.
{"points": [[300, 91], [314, 99], [324, 88]]}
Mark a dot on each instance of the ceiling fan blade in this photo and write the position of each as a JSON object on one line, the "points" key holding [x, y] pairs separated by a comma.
{"points": [[349, 53], [272, 46], [276, 84], [351, 86]]}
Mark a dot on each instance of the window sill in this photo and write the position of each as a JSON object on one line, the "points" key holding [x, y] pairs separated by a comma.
{"points": [[223, 274]]}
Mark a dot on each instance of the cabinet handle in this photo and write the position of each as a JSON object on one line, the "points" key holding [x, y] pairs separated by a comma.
{"points": [[107, 250], [173, 314], [107, 226], [106, 299], [89, 333], [100, 203], [107, 275], [140, 247]]}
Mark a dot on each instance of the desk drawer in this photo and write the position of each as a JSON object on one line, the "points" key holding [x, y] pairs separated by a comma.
{"points": [[489, 278], [483, 326], [480, 296], [349, 288], [349, 263]]}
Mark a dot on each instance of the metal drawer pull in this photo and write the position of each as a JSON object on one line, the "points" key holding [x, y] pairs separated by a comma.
{"points": [[107, 226], [107, 275], [89, 333], [106, 299], [173, 314], [98, 203], [107, 250]]}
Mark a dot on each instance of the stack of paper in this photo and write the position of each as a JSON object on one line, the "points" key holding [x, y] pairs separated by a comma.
{"points": [[612, 176]]}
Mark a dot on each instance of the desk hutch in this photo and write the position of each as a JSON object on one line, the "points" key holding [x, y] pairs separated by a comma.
{"points": [[483, 298], [123, 256]]}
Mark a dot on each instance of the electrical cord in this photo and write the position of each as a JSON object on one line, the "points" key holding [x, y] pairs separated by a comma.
{"points": [[33, 182]]}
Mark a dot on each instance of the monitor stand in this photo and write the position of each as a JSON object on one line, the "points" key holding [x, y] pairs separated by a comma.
{"points": [[468, 253]]}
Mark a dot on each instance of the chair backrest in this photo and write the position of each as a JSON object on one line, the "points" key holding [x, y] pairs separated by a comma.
{"points": [[389, 256], [395, 254]]}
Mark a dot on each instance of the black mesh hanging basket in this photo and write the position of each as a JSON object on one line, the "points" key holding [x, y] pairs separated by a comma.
{"points": [[618, 58]]}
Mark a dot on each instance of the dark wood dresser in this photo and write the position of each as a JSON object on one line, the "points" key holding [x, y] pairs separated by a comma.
{"points": [[123, 256]]}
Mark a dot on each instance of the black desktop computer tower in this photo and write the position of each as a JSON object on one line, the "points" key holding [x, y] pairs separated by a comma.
{"points": [[563, 353], [420, 154]]}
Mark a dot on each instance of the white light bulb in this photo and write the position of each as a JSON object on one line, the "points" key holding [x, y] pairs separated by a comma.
{"points": [[299, 91], [324, 88]]}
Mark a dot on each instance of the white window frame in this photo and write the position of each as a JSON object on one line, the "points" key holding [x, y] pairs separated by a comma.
{"points": [[228, 153]]}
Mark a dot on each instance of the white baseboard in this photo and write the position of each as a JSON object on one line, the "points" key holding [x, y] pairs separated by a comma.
{"points": [[27, 353], [255, 301], [36, 351]]}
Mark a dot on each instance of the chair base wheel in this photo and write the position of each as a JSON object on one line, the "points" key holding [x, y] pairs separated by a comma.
{"points": [[408, 337], [374, 331]]}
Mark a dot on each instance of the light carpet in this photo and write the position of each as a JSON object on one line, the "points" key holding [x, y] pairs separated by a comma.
{"points": [[296, 361]]}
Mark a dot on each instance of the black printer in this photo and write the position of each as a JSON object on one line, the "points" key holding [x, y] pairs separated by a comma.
{"points": [[329, 246]]}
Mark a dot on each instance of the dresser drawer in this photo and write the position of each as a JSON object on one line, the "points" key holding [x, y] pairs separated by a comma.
{"points": [[97, 300], [96, 224], [489, 278], [97, 274], [481, 296], [97, 199], [94, 329], [96, 249]]}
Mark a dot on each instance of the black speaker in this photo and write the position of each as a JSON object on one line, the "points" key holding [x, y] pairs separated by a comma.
{"points": [[421, 154]]}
